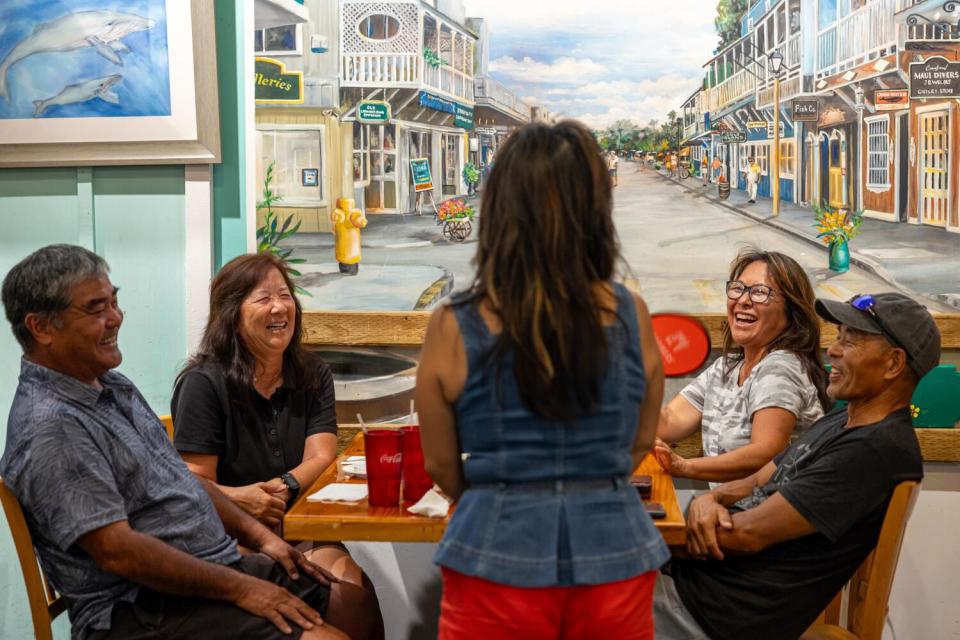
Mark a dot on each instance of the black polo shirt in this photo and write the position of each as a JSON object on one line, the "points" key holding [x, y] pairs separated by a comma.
{"points": [[254, 443]]}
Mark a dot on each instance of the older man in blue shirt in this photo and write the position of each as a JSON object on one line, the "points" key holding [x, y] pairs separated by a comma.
{"points": [[137, 545]]}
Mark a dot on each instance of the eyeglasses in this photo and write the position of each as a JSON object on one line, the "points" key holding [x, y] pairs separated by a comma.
{"points": [[759, 293], [866, 303]]}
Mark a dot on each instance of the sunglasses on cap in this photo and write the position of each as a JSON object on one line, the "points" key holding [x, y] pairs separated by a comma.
{"points": [[867, 304]]}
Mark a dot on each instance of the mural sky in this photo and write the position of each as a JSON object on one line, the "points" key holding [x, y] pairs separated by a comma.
{"points": [[600, 61]]}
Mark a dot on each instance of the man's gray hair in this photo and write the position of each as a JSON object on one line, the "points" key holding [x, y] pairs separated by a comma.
{"points": [[41, 284]]}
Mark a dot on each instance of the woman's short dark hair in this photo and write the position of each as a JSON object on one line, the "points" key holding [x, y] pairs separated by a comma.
{"points": [[41, 284], [802, 334], [223, 347], [546, 239]]}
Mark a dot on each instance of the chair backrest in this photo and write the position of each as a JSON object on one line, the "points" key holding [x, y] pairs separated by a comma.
{"points": [[869, 589], [45, 603], [168, 423]]}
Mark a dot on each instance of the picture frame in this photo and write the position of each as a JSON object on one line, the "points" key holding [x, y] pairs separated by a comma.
{"points": [[190, 134], [310, 177]]}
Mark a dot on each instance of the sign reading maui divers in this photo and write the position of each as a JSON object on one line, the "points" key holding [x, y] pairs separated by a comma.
{"points": [[275, 85], [936, 77], [462, 114], [806, 110], [373, 111]]}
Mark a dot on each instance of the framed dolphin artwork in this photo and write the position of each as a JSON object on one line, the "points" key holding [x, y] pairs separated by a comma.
{"points": [[93, 82]]}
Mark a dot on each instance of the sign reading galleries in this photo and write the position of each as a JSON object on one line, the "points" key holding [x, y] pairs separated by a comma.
{"points": [[273, 84]]}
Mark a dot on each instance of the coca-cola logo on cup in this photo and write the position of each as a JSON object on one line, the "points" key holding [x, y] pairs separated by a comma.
{"points": [[394, 459]]}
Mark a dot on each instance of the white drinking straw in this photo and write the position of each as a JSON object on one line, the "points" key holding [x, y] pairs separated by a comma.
{"points": [[363, 426], [410, 417]]}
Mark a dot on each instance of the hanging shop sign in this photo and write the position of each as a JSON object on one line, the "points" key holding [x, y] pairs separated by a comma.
{"points": [[373, 111], [486, 131], [806, 110], [462, 114], [420, 173], [935, 78], [760, 130], [891, 99], [732, 137], [273, 84]]}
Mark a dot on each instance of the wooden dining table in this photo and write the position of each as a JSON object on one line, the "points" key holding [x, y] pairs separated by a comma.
{"points": [[361, 522]]}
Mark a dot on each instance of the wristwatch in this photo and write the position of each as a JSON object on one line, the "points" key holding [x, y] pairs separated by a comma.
{"points": [[292, 484]]}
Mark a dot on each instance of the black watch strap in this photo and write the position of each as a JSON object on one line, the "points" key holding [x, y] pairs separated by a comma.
{"points": [[292, 484]]}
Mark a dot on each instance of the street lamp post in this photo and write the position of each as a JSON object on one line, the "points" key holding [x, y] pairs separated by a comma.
{"points": [[858, 94], [776, 63]]}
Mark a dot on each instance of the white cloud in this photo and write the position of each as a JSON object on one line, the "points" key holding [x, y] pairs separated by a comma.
{"points": [[560, 70]]}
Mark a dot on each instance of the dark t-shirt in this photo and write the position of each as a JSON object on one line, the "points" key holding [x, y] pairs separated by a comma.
{"points": [[254, 442], [840, 480]]}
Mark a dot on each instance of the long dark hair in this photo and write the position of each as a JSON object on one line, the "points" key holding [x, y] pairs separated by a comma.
{"points": [[802, 335], [546, 239], [223, 347]]}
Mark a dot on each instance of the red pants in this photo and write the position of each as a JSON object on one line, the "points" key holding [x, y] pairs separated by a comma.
{"points": [[473, 608]]}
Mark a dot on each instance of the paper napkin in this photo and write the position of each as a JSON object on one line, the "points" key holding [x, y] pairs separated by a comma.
{"points": [[339, 492], [432, 505]]}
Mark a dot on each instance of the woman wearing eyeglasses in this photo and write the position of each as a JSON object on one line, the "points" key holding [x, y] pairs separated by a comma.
{"points": [[769, 384]]}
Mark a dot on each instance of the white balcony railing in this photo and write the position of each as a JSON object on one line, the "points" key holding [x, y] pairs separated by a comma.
{"points": [[489, 89], [386, 69], [448, 80], [857, 38], [737, 86], [788, 89]]}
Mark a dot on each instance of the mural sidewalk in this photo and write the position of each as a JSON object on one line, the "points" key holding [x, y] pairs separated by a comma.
{"points": [[377, 287], [917, 259]]}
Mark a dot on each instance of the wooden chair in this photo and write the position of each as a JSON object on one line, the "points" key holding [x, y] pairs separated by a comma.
{"points": [[869, 588], [168, 423], [45, 603]]}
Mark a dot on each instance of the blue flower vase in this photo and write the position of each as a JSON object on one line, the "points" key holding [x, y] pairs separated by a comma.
{"points": [[839, 256]]}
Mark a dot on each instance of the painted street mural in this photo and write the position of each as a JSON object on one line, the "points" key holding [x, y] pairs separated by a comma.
{"points": [[82, 59], [826, 129]]}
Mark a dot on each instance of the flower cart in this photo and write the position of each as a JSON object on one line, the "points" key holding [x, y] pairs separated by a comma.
{"points": [[455, 217]]}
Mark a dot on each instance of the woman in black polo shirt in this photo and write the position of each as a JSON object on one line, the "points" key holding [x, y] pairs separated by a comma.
{"points": [[253, 410]]}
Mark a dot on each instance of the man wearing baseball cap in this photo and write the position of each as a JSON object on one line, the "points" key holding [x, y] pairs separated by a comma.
{"points": [[772, 550]]}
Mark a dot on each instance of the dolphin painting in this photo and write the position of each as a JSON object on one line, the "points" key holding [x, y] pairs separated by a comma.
{"points": [[101, 30], [81, 92]]}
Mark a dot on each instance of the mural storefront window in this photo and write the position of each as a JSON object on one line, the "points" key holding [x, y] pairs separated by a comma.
{"points": [[297, 155], [381, 191], [278, 41], [451, 163], [878, 164]]}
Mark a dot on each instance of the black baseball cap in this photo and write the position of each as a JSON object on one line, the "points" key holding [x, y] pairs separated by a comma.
{"points": [[904, 322]]}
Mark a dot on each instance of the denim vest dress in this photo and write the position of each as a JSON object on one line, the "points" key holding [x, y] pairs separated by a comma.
{"points": [[549, 503]]}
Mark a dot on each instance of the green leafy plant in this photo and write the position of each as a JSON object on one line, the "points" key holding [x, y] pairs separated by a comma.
{"points": [[837, 225], [471, 175], [432, 57], [274, 230]]}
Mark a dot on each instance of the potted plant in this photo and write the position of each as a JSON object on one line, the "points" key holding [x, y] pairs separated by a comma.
{"points": [[471, 176], [275, 229], [455, 215], [836, 227]]}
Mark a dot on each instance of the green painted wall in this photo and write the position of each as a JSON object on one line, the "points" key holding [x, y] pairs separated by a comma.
{"points": [[230, 195], [134, 217]]}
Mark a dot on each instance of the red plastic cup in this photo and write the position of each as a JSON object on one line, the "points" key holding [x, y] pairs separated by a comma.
{"points": [[383, 450], [416, 482]]}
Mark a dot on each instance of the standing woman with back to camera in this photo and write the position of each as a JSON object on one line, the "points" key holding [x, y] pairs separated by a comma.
{"points": [[545, 377]]}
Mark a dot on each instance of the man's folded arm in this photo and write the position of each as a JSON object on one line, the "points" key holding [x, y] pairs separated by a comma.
{"points": [[774, 521]]}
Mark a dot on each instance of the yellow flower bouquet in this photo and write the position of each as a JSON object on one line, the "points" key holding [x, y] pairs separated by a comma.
{"points": [[837, 225]]}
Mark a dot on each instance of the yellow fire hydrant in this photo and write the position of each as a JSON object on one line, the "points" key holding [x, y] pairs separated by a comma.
{"points": [[347, 222]]}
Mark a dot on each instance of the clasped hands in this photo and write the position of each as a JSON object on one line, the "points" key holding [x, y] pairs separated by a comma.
{"points": [[705, 518]]}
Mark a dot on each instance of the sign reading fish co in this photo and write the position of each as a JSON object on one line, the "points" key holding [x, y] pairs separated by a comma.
{"points": [[935, 78], [373, 112], [806, 110], [275, 85]]}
